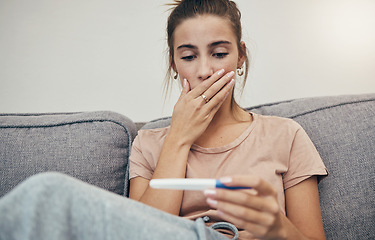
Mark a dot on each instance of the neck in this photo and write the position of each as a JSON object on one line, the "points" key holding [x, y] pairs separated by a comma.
{"points": [[228, 123], [228, 114]]}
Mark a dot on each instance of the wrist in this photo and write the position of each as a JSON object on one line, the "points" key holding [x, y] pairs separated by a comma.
{"points": [[288, 230], [176, 140], [173, 158]]}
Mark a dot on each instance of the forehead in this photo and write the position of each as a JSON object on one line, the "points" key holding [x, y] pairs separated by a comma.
{"points": [[204, 29]]}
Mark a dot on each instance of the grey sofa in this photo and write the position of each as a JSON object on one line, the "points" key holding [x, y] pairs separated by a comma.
{"points": [[95, 146]]}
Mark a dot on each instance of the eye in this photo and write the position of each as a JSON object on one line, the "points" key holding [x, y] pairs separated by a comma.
{"points": [[189, 58], [220, 54]]}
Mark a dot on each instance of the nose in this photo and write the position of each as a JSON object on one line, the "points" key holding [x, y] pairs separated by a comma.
{"points": [[205, 70]]}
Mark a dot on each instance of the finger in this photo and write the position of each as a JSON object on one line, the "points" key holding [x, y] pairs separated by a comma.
{"points": [[209, 108], [218, 85], [255, 182], [216, 102], [212, 106], [203, 86], [185, 88], [242, 212], [255, 229], [246, 199]]}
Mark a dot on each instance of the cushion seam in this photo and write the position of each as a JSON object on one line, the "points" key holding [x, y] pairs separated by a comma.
{"points": [[329, 107]]}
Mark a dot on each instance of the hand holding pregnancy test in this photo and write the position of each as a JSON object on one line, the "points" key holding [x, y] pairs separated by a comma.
{"points": [[191, 184]]}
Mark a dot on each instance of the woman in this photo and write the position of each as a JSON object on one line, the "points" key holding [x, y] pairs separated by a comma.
{"points": [[210, 136]]}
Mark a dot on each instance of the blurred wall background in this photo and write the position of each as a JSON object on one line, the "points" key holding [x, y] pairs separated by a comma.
{"points": [[86, 55]]}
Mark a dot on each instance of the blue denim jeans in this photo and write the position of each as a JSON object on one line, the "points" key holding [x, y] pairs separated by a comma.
{"points": [[55, 206]]}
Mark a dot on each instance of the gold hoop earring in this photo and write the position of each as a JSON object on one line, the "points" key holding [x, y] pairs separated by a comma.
{"points": [[175, 76], [240, 71]]}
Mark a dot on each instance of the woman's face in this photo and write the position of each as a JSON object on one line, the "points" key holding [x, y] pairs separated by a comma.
{"points": [[204, 45]]}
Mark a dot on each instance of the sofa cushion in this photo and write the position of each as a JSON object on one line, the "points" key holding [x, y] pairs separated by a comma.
{"points": [[343, 131], [91, 146]]}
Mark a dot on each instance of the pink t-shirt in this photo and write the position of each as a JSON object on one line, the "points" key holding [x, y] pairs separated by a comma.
{"points": [[277, 149]]}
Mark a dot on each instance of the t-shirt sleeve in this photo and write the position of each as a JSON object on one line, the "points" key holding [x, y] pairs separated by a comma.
{"points": [[304, 160], [138, 165]]}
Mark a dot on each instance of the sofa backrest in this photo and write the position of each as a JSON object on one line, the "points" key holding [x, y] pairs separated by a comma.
{"points": [[91, 146], [343, 131]]}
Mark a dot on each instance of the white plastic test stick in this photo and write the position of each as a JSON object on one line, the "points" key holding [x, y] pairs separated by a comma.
{"points": [[189, 184]]}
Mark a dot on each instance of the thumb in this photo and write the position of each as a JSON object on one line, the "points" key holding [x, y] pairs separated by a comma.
{"points": [[185, 87]]}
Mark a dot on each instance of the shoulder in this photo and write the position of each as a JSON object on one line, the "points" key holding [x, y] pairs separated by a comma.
{"points": [[153, 133], [276, 124], [149, 137]]}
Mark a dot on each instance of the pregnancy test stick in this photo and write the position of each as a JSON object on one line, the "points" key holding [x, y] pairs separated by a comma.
{"points": [[190, 184]]}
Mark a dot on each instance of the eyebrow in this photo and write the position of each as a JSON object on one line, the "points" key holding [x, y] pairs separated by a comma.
{"points": [[219, 43], [213, 44]]}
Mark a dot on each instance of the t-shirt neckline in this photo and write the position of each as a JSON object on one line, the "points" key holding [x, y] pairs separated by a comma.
{"points": [[232, 144]]}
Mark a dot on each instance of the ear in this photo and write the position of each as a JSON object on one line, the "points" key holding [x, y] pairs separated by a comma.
{"points": [[171, 60], [241, 55]]}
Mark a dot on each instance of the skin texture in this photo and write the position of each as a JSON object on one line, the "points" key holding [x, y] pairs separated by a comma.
{"points": [[206, 58]]}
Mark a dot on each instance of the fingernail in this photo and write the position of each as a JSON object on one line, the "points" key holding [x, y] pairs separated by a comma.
{"points": [[210, 192], [231, 82], [231, 74], [226, 180], [185, 82], [211, 202], [220, 72]]}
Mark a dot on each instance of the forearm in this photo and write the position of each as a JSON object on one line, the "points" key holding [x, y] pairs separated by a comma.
{"points": [[290, 231], [171, 164]]}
